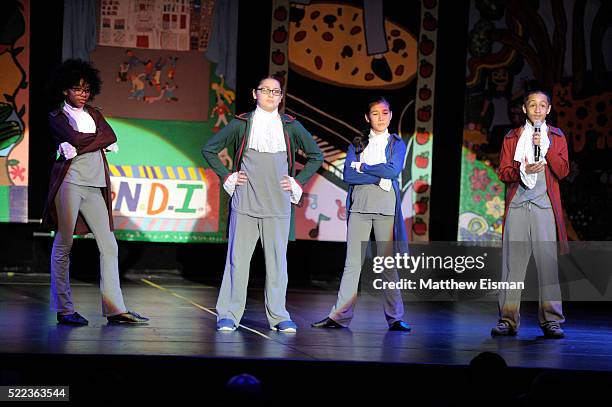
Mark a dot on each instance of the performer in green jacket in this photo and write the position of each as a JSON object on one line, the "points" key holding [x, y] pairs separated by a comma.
{"points": [[263, 185]]}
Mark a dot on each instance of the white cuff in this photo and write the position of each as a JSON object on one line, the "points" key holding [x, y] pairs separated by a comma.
{"points": [[230, 183], [113, 147], [385, 184], [357, 166], [67, 150], [296, 191]]}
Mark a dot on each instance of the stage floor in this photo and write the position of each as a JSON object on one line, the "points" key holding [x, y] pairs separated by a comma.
{"points": [[183, 324]]}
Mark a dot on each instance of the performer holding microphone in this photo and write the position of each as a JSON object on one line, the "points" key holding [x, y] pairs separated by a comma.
{"points": [[533, 160]]}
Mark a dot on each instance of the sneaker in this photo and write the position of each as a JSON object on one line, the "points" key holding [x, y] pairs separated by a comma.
{"points": [[553, 330], [326, 323], [400, 326], [129, 317], [71, 319], [226, 325], [503, 328], [286, 327]]}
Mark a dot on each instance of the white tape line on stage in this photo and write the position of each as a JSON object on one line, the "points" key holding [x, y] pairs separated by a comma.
{"points": [[195, 304]]}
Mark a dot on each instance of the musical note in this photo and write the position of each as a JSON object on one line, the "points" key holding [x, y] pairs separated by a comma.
{"points": [[313, 200], [314, 232], [341, 213]]}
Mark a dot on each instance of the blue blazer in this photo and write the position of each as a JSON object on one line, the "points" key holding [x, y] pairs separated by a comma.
{"points": [[372, 174]]}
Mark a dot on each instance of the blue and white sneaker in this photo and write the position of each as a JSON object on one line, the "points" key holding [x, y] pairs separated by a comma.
{"points": [[286, 327], [226, 325]]}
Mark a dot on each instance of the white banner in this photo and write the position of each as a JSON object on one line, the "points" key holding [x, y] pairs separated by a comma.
{"points": [[163, 198]]}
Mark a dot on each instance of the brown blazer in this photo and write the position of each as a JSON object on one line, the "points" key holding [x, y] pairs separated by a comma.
{"points": [[62, 131]]}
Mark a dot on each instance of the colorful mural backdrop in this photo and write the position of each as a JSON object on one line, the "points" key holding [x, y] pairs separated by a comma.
{"points": [[146, 84], [560, 46], [156, 24], [14, 137], [161, 190], [337, 57], [163, 103]]}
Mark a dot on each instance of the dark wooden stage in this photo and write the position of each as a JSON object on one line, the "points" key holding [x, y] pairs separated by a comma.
{"points": [[180, 351]]}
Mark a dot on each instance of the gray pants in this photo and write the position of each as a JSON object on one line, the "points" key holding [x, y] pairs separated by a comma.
{"points": [[530, 229], [359, 228], [244, 232], [69, 201]]}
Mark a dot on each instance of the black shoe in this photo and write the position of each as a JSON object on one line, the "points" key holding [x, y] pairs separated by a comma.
{"points": [[381, 68], [400, 326], [129, 317], [71, 319], [503, 328], [326, 323], [553, 330]]}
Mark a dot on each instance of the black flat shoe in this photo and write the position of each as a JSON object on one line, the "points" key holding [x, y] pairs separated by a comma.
{"points": [[129, 317], [553, 330], [71, 319], [400, 326], [503, 328], [326, 323], [381, 68]]}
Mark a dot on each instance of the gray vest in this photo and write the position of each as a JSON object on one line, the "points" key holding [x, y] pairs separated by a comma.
{"points": [[87, 170], [262, 196], [370, 198], [537, 195]]}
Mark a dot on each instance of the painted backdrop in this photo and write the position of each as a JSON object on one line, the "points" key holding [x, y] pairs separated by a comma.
{"points": [[164, 100], [14, 95], [563, 47], [335, 58]]}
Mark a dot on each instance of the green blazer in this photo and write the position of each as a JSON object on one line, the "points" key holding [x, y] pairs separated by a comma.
{"points": [[236, 136]]}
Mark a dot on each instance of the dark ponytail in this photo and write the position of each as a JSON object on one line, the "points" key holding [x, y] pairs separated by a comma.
{"points": [[360, 143]]}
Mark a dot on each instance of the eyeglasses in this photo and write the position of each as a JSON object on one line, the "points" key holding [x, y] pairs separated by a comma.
{"points": [[80, 91], [266, 91]]}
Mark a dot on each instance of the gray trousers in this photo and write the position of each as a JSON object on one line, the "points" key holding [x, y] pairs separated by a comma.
{"points": [[244, 232], [530, 229], [69, 201], [359, 227]]}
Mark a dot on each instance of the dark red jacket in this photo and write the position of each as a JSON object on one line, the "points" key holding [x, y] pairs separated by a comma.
{"points": [[62, 131], [556, 169]]}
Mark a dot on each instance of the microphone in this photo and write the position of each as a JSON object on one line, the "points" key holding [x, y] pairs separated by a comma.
{"points": [[536, 148]]}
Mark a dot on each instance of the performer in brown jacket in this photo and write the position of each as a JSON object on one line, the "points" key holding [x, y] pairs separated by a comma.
{"points": [[79, 200]]}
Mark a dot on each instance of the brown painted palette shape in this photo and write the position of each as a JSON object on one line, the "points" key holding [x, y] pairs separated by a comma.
{"points": [[329, 45]]}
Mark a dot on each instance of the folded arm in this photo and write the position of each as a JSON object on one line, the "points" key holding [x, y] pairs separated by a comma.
{"points": [[351, 176], [392, 168]]}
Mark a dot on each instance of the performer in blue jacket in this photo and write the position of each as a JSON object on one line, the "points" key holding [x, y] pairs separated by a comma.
{"points": [[372, 168]]}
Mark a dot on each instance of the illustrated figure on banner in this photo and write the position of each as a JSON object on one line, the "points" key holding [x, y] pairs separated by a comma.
{"points": [[222, 92], [221, 109], [146, 77]]}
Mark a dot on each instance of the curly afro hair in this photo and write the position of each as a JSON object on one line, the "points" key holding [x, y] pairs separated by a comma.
{"points": [[68, 75]]}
